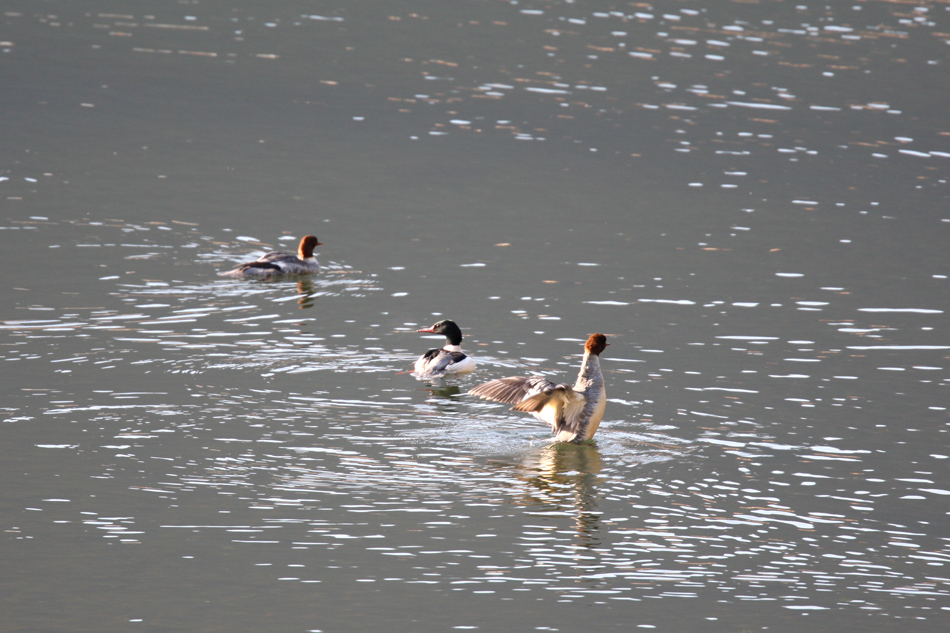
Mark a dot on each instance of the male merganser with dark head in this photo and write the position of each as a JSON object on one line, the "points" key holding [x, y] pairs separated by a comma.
{"points": [[574, 413], [277, 263], [448, 359]]}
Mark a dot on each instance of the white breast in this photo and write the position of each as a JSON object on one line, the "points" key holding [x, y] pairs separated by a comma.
{"points": [[597, 416]]}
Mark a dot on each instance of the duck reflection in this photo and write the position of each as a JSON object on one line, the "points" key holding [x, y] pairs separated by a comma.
{"points": [[446, 391], [565, 477], [443, 398], [305, 294]]}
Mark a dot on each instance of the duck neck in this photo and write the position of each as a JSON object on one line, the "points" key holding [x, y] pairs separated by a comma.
{"points": [[453, 339], [590, 374]]}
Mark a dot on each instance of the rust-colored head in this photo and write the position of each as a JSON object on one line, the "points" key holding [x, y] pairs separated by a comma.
{"points": [[307, 244], [596, 343]]}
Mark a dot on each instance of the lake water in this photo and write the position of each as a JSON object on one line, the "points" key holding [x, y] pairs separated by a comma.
{"points": [[749, 198]]}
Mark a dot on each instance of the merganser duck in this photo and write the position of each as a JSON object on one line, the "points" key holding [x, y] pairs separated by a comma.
{"points": [[574, 413], [448, 359], [277, 263]]}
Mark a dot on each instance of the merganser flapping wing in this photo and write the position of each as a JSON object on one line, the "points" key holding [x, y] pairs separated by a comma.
{"points": [[513, 389], [573, 412]]}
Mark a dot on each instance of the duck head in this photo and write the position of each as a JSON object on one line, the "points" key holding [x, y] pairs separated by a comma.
{"points": [[596, 343], [447, 328], [307, 244]]}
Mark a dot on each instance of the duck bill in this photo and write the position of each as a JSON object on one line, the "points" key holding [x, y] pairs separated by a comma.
{"points": [[428, 330]]}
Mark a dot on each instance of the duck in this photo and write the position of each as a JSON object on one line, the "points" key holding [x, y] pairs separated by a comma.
{"points": [[278, 263], [574, 413], [448, 359]]}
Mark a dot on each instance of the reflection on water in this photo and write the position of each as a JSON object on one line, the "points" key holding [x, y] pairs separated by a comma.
{"points": [[363, 479], [213, 324], [564, 478], [750, 199], [306, 294], [238, 420], [444, 392]]}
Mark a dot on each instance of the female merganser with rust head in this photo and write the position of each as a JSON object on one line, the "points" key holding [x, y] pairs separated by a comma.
{"points": [[445, 360], [277, 263], [574, 413]]}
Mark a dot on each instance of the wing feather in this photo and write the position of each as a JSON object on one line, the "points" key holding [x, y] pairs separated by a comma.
{"points": [[437, 361], [252, 268], [570, 420], [549, 393], [512, 389], [259, 265], [557, 404], [444, 359], [275, 256]]}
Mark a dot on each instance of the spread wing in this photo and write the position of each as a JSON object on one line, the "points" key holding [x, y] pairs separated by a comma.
{"points": [[513, 389], [557, 404]]}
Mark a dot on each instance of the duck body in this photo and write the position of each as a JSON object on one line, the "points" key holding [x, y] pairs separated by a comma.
{"points": [[278, 263], [449, 359], [573, 412]]}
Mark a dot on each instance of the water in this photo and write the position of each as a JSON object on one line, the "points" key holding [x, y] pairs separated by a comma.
{"points": [[750, 200]]}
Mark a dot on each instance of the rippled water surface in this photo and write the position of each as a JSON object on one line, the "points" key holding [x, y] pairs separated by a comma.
{"points": [[749, 198]]}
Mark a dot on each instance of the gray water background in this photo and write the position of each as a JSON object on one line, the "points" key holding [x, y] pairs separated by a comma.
{"points": [[749, 199]]}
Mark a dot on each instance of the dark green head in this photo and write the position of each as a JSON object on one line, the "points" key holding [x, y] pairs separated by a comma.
{"points": [[447, 328]]}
